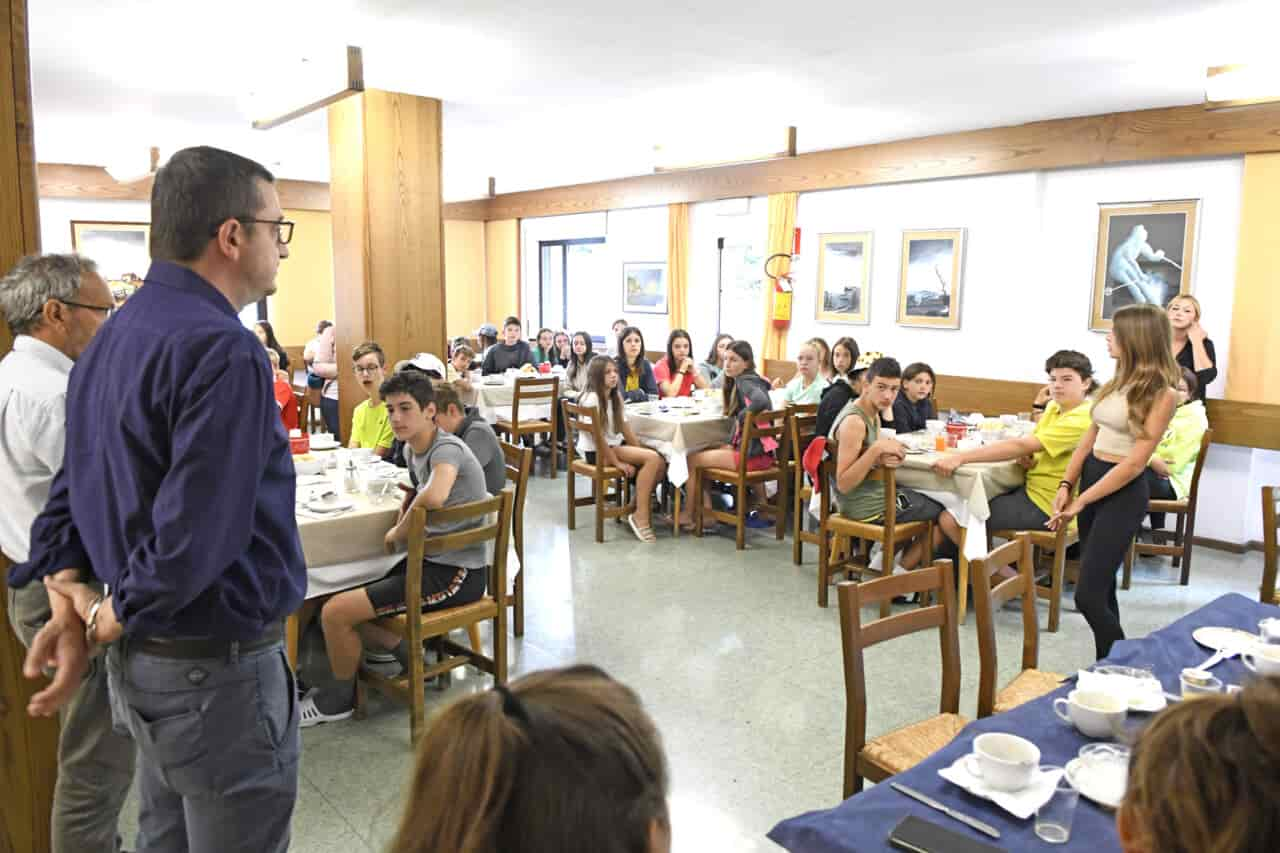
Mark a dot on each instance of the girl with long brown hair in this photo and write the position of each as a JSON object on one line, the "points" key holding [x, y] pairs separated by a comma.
{"points": [[622, 450], [745, 391], [1130, 414], [563, 759], [1204, 777]]}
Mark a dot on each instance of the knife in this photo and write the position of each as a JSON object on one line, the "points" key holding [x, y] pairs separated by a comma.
{"points": [[984, 828]]}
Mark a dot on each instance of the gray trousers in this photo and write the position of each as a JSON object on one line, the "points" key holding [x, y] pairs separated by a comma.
{"points": [[218, 747], [95, 763]]}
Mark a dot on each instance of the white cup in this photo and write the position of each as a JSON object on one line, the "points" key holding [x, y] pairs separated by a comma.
{"points": [[935, 425], [1262, 659], [1094, 713], [1002, 761]]}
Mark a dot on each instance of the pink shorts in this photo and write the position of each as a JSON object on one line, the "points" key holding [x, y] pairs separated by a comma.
{"points": [[754, 463]]}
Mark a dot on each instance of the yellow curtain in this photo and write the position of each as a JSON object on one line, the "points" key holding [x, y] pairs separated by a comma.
{"points": [[782, 223], [678, 264]]}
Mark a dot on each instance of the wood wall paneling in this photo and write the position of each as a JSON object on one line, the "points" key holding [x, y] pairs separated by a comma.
{"points": [[1253, 373], [466, 302], [1157, 134], [304, 284], [28, 747], [388, 231], [68, 180], [502, 268]]}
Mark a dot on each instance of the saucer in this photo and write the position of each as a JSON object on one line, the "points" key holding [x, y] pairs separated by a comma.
{"points": [[1021, 804], [331, 446], [320, 505], [1100, 775]]}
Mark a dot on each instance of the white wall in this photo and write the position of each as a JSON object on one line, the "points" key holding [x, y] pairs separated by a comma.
{"points": [[1029, 250], [633, 235]]}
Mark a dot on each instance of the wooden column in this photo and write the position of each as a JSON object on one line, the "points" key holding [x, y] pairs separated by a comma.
{"points": [[1255, 345], [388, 231], [28, 748]]}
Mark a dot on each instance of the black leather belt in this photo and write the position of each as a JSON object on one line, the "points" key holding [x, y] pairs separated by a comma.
{"points": [[191, 648]]}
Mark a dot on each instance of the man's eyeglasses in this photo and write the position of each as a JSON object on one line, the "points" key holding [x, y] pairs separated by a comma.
{"points": [[107, 310], [284, 227], [368, 371]]}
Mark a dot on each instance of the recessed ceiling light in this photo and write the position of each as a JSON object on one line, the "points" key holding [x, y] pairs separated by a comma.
{"points": [[1241, 85]]}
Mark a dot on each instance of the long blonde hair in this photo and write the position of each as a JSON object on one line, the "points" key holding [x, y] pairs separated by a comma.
{"points": [[1145, 368], [563, 759]]}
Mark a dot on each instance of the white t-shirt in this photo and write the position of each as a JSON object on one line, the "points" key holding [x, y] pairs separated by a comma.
{"points": [[612, 435]]}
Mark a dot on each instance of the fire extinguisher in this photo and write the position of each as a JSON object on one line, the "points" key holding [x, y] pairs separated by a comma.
{"points": [[782, 285]]}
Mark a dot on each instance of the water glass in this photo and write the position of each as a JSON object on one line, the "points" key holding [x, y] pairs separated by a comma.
{"points": [[1196, 684], [1053, 819]]}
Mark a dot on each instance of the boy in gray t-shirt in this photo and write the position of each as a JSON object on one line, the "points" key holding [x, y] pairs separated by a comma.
{"points": [[448, 475], [475, 432]]}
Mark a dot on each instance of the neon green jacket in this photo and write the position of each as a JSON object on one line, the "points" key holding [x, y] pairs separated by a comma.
{"points": [[1181, 444]]}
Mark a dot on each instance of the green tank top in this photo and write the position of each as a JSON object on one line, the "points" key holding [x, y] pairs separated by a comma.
{"points": [[866, 501]]}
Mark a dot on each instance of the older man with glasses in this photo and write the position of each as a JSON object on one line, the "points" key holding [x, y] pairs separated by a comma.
{"points": [[54, 305], [178, 492]]}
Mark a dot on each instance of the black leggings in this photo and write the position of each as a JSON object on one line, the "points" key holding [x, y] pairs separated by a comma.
{"points": [[1106, 528]]}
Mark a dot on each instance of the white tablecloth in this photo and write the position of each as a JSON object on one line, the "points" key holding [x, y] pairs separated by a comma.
{"points": [[346, 550], [494, 400], [676, 433], [966, 494]]}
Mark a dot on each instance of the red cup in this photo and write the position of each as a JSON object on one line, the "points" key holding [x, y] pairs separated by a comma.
{"points": [[545, 367], [300, 444]]}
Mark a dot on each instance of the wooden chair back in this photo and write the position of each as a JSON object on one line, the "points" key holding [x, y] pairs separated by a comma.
{"points": [[535, 391], [855, 638], [1270, 547], [518, 465], [580, 419], [801, 423], [1193, 495], [761, 425], [778, 368], [988, 597]]}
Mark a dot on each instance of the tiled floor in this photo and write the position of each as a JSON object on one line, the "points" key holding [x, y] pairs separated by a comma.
{"points": [[734, 660]]}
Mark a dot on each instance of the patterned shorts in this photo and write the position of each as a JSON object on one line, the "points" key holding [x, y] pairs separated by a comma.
{"points": [[442, 587]]}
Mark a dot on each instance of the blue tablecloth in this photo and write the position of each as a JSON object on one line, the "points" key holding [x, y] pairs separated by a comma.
{"points": [[863, 822]]}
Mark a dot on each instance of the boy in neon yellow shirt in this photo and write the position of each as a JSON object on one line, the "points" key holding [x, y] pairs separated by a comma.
{"points": [[370, 426], [1046, 452]]}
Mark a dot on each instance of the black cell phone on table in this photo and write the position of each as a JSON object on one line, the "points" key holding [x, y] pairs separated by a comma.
{"points": [[921, 836]]}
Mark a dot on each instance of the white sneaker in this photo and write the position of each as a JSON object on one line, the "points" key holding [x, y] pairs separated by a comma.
{"points": [[313, 716], [874, 560]]}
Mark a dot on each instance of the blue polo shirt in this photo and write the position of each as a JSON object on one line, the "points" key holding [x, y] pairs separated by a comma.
{"points": [[177, 487]]}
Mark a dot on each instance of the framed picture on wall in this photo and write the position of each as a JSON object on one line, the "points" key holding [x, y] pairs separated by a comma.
{"points": [[122, 251], [844, 278], [931, 278], [1145, 252], [644, 287]]}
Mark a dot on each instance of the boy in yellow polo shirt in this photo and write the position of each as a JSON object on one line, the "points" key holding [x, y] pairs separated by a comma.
{"points": [[369, 424], [1045, 453]]}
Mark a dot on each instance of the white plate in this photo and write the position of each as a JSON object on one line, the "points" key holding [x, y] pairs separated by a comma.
{"points": [[1102, 781], [1223, 639], [322, 506], [333, 446]]}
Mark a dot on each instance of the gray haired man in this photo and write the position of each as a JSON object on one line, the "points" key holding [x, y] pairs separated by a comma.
{"points": [[54, 305]]}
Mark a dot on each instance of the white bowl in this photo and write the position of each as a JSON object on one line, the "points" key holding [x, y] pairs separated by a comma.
{"points": [[302, 467]]}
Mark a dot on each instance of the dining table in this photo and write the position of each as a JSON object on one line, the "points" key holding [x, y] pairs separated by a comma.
{"points": [[863, 823], [678, 427], [495, 394], [342, 548], [967, 495]]}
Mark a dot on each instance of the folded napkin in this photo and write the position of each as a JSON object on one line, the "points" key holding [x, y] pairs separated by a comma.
{"points": [[1021, 804], [1134, 691]]}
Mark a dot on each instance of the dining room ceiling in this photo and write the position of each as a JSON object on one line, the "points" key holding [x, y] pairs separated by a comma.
{"points": [[548, 93]]}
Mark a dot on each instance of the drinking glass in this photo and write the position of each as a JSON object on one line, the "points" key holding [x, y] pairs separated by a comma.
{"points": [[1196, 684], [1053, 819]]}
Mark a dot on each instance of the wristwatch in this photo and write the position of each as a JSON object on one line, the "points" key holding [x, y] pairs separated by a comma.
{"points": [[91, 624]]}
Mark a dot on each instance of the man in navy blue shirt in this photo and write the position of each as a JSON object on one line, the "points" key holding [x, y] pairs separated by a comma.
{"points": [[177, 492]]}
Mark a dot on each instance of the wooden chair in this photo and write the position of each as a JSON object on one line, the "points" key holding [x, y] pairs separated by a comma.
{"points": [[1185, 510], [888, 532], [415, 626], [1030, 682], [530, 392], [1270, 551], [800, 426], [739, 478], [1054, 544], [519, 462], [901, 749], [579, 419]]}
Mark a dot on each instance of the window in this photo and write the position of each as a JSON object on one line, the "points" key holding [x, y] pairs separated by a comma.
{"points": [[571, 283]]}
